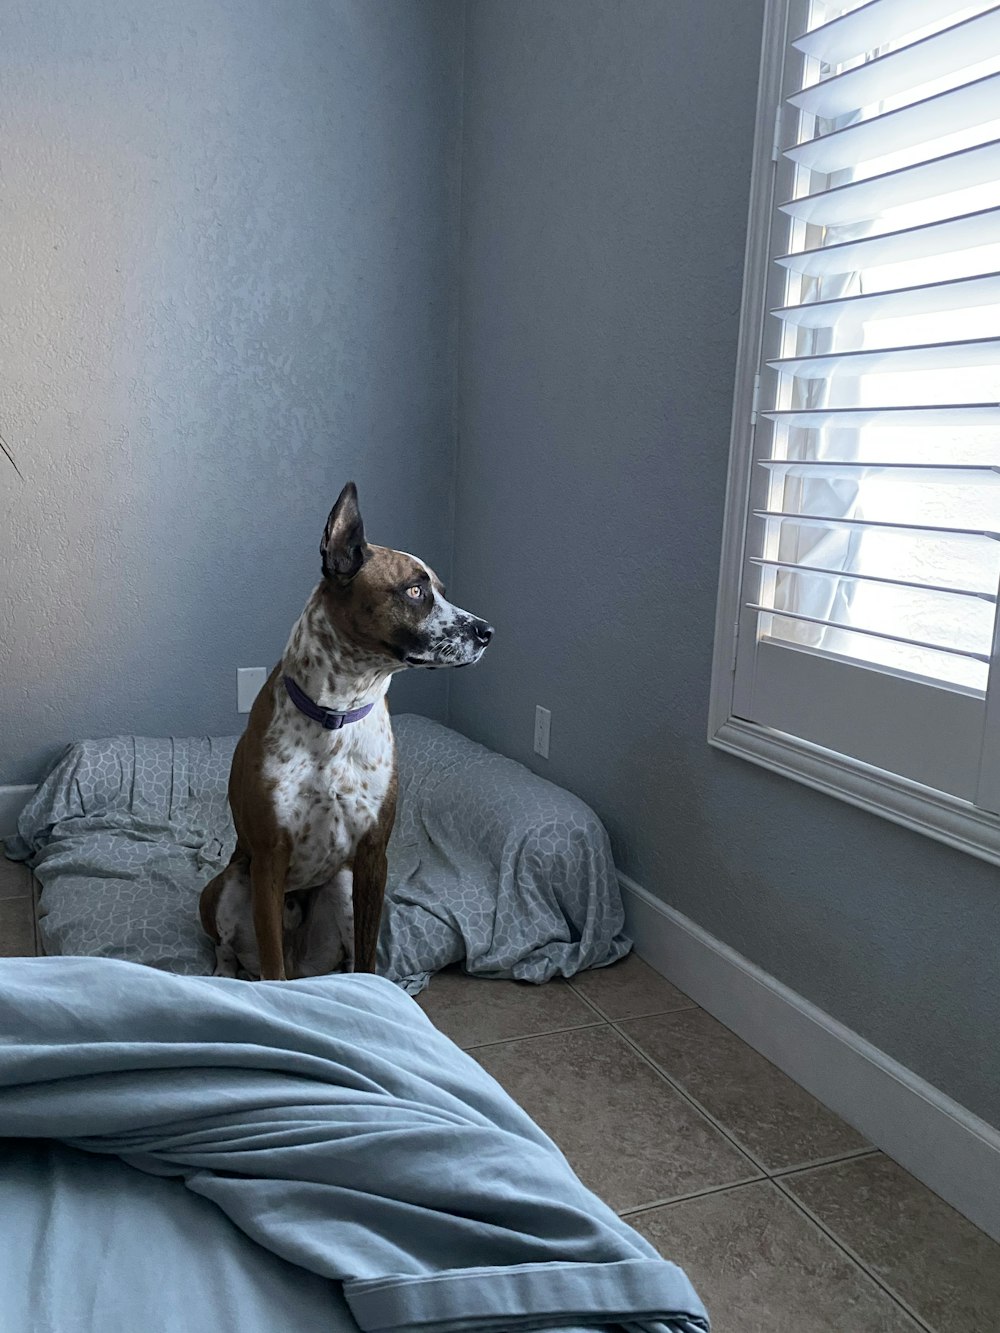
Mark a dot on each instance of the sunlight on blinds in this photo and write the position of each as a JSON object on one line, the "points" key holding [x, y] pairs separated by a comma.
{"points": [[881, 533]]}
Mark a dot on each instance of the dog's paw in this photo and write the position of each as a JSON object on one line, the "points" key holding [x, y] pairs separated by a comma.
{"points": [[226, 963]]}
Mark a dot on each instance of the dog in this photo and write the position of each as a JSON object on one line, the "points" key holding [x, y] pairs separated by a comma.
{"points": [[312, 787]]}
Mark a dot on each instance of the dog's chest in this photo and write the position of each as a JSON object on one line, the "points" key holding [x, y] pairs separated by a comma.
{"points": [[328, 791]]}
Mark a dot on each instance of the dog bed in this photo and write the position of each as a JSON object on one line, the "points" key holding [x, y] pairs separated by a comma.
{"points": [[489, 865]]}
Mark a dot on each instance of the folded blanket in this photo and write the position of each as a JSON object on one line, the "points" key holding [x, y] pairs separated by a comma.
{"points": [[339, 1129]]}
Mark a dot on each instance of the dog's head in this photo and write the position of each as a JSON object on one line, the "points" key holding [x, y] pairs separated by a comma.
{"points": [[388, 604]]}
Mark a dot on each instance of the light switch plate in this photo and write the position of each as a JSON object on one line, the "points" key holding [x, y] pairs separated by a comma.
{"points": [[249, 683], [543, 724]]}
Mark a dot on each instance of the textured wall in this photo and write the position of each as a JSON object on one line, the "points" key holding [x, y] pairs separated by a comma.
{"points": [[228, 254], [228, 248], [605, 181]]}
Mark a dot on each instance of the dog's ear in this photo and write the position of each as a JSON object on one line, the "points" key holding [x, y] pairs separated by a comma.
{"points": [[343, 548]]}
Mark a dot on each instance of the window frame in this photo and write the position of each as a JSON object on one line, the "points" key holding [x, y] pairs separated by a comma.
{"points": [[923, 809]]}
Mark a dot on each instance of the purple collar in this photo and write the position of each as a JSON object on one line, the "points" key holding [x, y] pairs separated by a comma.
{"points": [[326, 717]]}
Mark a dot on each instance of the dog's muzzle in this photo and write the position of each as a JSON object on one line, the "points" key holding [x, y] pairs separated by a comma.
{"points": [[461, 644]]}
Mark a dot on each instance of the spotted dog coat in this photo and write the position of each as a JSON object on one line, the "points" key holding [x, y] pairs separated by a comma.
{"points": [[313, 808]]}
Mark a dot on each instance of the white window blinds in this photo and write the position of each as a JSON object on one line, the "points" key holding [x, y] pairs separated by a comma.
{"points": [[871, 560]]}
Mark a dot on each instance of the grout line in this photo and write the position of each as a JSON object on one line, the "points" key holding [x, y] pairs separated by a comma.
{"points": [[657, 1013], [693, 1101], [641, 1208], [628, 1018], [534, 1036], [820, 1162], [676, 1198], [854, 1257], [767, 1171], [588, 1001], [774, 1178]]}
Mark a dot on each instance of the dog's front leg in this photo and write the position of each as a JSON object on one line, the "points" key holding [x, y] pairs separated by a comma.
{"points": [[370, 871], [342, 900], [267, 889]]}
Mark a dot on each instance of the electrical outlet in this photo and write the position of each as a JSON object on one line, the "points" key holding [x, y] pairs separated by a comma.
{"points": [[249, 683], [543, 723]]}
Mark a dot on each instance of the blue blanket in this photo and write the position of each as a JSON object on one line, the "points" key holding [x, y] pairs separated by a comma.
{"points": [[336, 1127], [90, 1245]]}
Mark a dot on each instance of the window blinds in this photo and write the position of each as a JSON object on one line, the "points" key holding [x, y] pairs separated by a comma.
{"points": [[874, 534]]}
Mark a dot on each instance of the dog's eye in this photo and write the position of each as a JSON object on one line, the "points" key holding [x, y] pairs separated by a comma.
{"points": [[415, 592]]}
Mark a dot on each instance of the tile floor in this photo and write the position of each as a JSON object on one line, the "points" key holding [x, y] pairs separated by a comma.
{"points": [[785, 1219], [17, 918]]}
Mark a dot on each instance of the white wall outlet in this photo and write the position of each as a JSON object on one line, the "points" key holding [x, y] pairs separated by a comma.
{"points": [[543, 723], [249, 683]]}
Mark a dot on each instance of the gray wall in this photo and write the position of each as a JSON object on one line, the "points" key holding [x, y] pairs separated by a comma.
{"points": [[229, 260], [605, 183], [228, 255]]}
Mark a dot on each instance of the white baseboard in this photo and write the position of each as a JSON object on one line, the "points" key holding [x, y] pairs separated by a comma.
{"points": [[952, 1151], [12, 802]]}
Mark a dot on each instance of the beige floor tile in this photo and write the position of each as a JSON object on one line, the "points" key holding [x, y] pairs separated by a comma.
{"points": [[629, 989], [15, 878], [474, 1011], [17, 929], [775, 1119], [760, 1266], [946, 1269], [629, 1136]]}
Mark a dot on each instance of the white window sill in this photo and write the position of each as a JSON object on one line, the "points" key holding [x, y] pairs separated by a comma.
{"points": [[922, 809]]}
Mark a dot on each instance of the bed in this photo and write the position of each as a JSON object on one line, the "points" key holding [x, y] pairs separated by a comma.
{"points": [[197, 1153], [490, 866]]}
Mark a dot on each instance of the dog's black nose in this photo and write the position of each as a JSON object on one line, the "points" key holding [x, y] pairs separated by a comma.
{"points": [[482, 631]]}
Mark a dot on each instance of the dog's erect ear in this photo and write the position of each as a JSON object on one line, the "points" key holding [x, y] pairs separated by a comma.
{"points": [[343, 548]]}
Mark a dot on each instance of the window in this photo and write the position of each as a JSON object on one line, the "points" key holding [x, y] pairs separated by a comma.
{"points": [[856, 643]]}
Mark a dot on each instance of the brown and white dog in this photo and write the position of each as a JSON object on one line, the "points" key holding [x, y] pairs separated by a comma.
{"points": [[313, 782]]}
